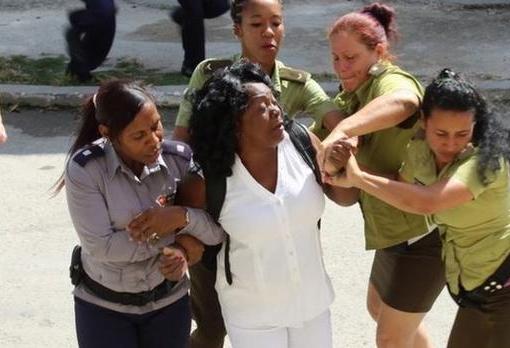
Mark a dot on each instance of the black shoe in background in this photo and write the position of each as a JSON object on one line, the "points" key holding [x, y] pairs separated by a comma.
{"points": [[81, 77]]}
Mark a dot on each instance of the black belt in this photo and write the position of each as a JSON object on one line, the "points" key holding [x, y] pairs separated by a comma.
{"points": [[479, 295], [78, 275], [128, 298]]}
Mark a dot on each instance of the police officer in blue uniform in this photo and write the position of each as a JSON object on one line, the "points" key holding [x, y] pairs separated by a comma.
{"points": [[90, 37], [120, 166]]}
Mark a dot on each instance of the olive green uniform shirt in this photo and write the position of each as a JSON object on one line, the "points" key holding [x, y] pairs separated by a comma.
{"points": [[476, 234], [382, 152], [298, 91]]}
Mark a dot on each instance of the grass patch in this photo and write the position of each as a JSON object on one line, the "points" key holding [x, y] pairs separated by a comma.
{"points": [[51, 71]]}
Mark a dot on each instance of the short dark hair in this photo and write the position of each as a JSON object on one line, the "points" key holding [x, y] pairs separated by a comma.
{"points": [[216, 110]]}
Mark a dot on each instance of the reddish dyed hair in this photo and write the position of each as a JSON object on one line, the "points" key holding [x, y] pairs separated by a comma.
{"points": [[374, 24]]}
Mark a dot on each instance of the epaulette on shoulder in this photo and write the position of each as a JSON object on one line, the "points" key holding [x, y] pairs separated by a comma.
{"points": [[295, 75], [212, 65], [177, 148], [88, 153]]}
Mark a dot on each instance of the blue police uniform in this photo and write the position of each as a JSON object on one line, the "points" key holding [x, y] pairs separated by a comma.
{"points": [[103, 196]]}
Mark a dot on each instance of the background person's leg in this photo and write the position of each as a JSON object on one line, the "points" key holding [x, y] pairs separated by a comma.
{"points": [[193, 34], [210, 331]]}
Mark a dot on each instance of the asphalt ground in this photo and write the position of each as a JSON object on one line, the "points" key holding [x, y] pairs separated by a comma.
{"points": [[36, 307]]}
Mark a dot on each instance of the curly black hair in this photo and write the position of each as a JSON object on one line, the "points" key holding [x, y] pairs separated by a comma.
{"points": [[216, 110], [450, 91]]}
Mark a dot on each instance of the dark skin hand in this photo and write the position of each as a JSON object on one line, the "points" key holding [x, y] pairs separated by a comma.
{"points": [[193, 247], [172, 263], [160, 220], [337, 155]]}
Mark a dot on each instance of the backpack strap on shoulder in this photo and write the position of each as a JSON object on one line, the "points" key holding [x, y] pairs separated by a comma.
{"points": [[215, 190], [301, 139]]}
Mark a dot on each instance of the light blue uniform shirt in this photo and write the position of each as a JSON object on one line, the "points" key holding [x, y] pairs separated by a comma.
{"points": [[103, 196]]}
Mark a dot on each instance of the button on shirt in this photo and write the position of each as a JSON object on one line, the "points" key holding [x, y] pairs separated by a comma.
{"points": [[103, 196], [275, 253]]}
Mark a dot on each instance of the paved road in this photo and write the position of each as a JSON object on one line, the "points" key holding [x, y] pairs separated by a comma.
{"points": [[37, 236], [435, 34]]}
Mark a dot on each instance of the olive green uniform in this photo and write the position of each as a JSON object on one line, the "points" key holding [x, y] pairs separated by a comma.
{"points": [[298, 92], [408, 277], [476, 240]]}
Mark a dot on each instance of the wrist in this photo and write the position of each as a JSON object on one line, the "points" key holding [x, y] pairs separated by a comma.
{"points": [[184, 218], [176, 245], [360, 179]]}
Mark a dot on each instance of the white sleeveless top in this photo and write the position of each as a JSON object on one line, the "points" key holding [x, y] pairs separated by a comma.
{"points": [[275, 253]]}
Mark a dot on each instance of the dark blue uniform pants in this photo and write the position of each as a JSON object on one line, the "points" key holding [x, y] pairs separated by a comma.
{"points": [[90, 37], [191, 18], [98, 327]]}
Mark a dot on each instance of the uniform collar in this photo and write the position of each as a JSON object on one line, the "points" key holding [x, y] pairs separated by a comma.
{"points": [[114, 164]]}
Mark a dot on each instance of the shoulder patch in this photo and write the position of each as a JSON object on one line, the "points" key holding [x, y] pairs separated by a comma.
{"points": [[177, 148], [214, 64], [88, 153], [294, 75]]}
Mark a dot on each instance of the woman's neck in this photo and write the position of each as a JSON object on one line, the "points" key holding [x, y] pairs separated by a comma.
{"points": [[267, 68], [262, 166]]}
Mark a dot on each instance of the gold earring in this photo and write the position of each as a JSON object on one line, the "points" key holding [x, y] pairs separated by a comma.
{"points": [[376, 69]]}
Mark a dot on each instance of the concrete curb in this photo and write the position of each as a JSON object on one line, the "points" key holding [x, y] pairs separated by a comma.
{"points": [[166, 96], [73, 96]]}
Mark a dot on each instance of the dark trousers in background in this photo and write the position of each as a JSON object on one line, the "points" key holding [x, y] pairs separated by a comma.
{"points": [[191, 17], [98, 327], [210, 331], [90, 37]]}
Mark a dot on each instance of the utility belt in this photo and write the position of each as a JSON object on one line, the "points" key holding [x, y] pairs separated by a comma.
{"points": [[78, 275], [479, 296]]}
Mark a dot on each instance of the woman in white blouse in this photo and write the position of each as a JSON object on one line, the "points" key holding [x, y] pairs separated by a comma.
{"points": [[279, 294]]}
